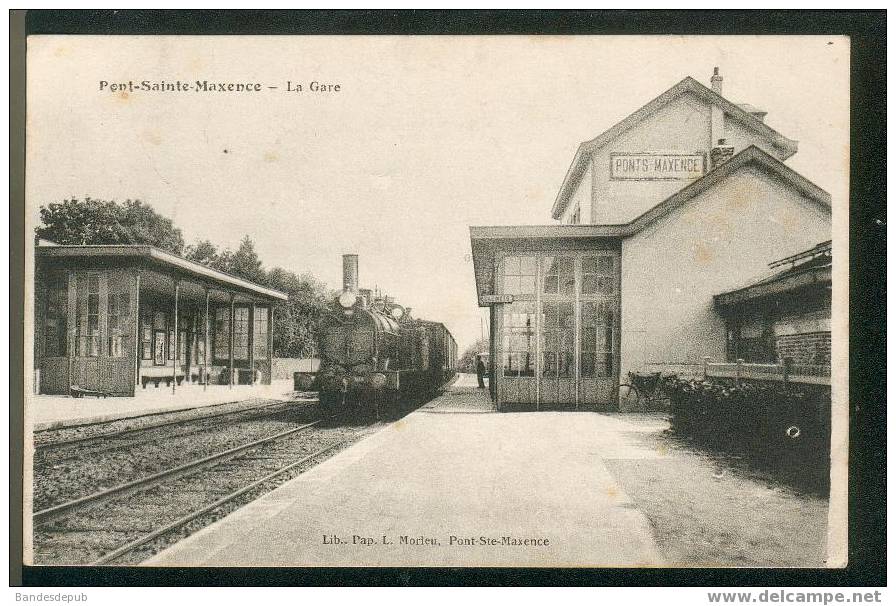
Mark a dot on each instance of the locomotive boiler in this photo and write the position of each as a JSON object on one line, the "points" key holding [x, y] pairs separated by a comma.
{"points": [[374, 356]]}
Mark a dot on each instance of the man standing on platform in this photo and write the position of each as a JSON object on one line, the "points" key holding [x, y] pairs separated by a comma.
{"points": [[480, 372]]}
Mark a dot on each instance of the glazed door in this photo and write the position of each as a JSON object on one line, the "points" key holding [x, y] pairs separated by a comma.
{"points": [[557, 322], [599, 329], [517, 353], [517, 343]]}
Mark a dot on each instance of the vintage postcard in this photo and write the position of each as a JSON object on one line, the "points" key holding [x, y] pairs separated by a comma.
{"points": [[453, 301]]}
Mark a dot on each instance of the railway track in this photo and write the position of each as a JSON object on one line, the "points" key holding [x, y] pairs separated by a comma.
{"points": [[81, 434], [83, 446], [127, 522], [69, 472]]}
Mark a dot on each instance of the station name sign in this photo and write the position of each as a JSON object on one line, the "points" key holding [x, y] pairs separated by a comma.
{"points": [[647, 166], [490, 299]]}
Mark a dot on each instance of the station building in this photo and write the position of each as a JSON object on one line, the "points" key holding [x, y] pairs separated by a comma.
{"points": [[685, 199], [111, 318]]}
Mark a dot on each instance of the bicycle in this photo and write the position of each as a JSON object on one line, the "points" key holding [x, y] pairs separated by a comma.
{"points": [[643, 391]]}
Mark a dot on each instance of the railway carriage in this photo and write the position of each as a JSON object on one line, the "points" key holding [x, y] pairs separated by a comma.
{"points": [[374, 356]]}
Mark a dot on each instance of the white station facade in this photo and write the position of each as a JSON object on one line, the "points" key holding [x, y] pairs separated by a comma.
{"points": [[686, 198]]}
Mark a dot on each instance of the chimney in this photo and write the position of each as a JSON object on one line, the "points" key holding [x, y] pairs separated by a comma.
{"points": [[716, 81], [720, 153], [350, 273], [717, 116]]}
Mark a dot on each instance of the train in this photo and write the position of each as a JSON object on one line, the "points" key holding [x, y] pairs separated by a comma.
{"points": [[374, 356]]}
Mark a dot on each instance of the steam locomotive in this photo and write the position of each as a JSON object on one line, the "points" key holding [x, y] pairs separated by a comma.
{"points": [[375, 357]]}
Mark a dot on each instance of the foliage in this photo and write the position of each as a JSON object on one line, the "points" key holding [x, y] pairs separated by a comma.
{"points": [[296, 320], [94, 221], [467, 361], [785, 428]]}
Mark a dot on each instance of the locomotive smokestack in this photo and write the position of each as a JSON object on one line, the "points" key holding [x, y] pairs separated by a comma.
{"points": [[350, 273]]}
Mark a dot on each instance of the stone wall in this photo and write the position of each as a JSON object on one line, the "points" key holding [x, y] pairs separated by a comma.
{"points": [[284, 367]]}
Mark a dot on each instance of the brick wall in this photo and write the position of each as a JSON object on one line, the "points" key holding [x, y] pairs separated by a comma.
{"points": [[805, 348]]}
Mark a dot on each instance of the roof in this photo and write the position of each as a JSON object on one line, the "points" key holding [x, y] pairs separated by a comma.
{"points": [[752, 156], [787, 146], [158, 257], [807, 268]]}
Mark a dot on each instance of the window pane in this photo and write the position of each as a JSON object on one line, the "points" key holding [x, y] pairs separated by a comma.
{"points": [[508, 366], [566, 341], [527, 266], [589, 314], [589, 265], [261, 333], [606, 285], [589, 340], [241, 333], [567, 284], [588, 360], [566, 365], [565, 265], [550, 341], [551, 285], [527, 364], [549, 266], [549, 364], [549, 318], [511, 285], [589, 284], [512, 266], [56, 317], [567, 315], [222, 333]]}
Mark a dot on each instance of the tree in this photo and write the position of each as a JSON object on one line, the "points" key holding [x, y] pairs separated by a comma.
{"points": [[467, 362], [202, 252], [245, 262], [94, 221], [296, 320]]}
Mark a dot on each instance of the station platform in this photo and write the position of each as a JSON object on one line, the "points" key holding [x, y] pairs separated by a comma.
{"points": [[434, 490], [53, 412]]}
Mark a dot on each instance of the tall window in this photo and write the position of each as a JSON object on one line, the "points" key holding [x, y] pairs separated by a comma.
{"points": [[222, 333], [260, 338], [519, 339], [519, 275], [597, 339], [576, 217], [89, 317], [241, 333], [119, 311], [146, 335], [56, 316], [558, 339]]}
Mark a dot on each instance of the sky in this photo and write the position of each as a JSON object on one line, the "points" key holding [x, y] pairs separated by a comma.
{"points": [[426, 137]]}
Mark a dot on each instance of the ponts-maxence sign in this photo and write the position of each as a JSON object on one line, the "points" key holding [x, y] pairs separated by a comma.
{"points": [[648, 166]]}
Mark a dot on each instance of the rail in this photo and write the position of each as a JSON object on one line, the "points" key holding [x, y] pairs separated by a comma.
{"points": [[815, 374]]}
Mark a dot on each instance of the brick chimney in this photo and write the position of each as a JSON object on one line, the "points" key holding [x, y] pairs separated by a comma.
{"points": [[717, 118], [716, 81], [720, 153]]}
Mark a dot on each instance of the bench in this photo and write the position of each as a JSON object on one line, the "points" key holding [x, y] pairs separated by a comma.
{"points": [[157, 374], [79, 392]]}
